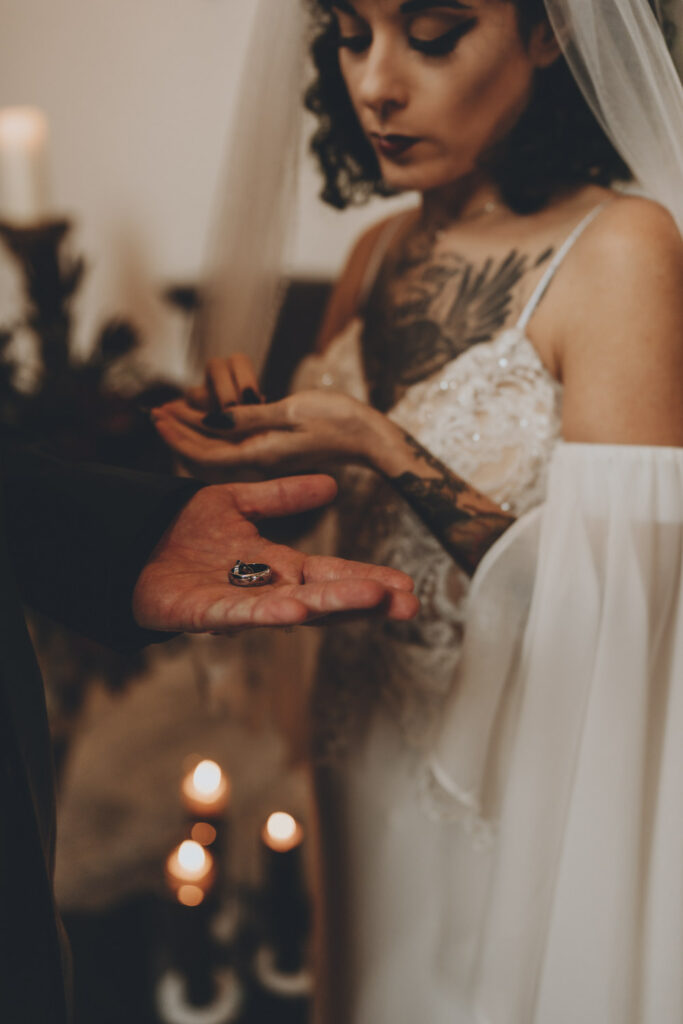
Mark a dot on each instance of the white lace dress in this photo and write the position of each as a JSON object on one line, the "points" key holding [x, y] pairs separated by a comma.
{"points": [[492, 416], [536, 877]]}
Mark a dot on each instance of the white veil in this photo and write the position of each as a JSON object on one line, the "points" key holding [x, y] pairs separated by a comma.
{"points": [[244, 276], [618, 55]]}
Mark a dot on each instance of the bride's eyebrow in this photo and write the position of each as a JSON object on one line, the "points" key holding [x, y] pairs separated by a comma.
{"points": [[409, 7], [413, 6]]}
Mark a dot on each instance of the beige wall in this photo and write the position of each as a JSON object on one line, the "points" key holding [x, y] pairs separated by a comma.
{"points": [[138, 94]]}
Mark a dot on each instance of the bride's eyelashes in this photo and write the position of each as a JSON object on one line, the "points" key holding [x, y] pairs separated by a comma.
{"points": [[436, 46], [441, 45], [355, 43]]}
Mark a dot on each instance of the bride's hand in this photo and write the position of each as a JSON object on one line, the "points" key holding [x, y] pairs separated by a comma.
{"points": [[307, 429], [227, 382]]}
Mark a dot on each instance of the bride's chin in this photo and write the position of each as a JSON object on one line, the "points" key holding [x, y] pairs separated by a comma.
{"points": [[421, 178]]}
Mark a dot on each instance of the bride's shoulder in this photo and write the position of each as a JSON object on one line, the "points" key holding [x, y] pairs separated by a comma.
{"points": [[631, 252], [622, 327], [631, 228]]}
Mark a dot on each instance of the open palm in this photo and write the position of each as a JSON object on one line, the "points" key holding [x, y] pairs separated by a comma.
{"points": [[184, 585]]}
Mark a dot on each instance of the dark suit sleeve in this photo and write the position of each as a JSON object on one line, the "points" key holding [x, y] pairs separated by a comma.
{"points": [[79, 536]]}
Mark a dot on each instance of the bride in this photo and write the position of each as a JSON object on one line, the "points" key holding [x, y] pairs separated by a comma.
{"points": [[499, 377]]}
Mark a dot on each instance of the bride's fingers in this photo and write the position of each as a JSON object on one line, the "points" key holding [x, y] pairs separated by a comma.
{"points": [[183, 412], [219, 425], [250, 419], [245, 379], [188, 443], [232, 381], [230, 424], [198, 398], [235, 422], [221, 384]]}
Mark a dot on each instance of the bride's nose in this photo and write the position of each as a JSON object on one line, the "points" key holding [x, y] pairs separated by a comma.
{"points": [[382, 87]]}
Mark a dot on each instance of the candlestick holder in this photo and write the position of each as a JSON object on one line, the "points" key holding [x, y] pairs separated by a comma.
{"points": [[287, 914], [196, 988], [50, 278], [288, 993]]}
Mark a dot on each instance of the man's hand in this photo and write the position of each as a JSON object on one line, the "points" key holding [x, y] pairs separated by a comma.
{"points": [[184, 586]]}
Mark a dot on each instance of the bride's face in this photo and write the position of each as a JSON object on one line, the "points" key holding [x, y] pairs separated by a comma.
{"points": [[434, 84]]}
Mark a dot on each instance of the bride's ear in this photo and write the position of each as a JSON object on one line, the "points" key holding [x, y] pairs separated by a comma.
{"points": [[544, 48]]}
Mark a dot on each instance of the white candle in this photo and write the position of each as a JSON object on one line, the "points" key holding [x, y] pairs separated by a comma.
{"points": [[23, 165]]}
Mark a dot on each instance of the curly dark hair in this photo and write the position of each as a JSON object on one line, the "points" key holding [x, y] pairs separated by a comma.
{"points": [[555, 146]]}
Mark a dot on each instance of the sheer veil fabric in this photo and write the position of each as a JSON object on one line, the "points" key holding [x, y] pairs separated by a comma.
{"points": [[257, 199], [558, 751], [618, 55]]}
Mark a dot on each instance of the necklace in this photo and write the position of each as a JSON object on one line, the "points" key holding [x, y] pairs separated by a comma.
{"points": [[490, 206]]}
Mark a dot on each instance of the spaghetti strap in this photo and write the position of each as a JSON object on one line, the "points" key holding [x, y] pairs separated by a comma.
{"points": [[542, 286]]}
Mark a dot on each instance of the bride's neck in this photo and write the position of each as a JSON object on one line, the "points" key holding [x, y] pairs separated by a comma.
{"points": [[459, 200]]}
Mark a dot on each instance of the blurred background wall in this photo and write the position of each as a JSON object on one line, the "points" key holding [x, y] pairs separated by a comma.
{"points": [[139, 98]]}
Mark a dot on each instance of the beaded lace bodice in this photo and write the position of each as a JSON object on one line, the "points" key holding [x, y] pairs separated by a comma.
{"points": [[492, 415]]}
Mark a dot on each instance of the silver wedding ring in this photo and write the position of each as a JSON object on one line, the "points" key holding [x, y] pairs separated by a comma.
{"points": [[250, 574]]}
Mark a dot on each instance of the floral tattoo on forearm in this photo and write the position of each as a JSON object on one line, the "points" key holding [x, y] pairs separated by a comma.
{"points": [[465, 521]]}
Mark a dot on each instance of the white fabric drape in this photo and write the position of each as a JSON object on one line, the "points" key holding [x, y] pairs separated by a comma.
{"points": [[619, 58], [562, 746], [257, 196]]}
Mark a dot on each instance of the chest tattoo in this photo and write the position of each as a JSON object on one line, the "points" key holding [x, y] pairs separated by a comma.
{"points": [[429, 307]]}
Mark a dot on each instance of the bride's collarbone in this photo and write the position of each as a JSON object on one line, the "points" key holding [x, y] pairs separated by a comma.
{"points": [[436, 298], [440, 292]]}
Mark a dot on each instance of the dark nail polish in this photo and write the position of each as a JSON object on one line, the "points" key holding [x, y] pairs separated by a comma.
{"points": [[249, 397], [145, 408], [219, 421]]}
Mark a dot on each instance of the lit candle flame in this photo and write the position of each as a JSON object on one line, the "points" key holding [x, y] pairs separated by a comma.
{"points": [[192, 857], [281, 826], [282, 832], [207, 777], [22, 125], [205, 790], [190, 864]]}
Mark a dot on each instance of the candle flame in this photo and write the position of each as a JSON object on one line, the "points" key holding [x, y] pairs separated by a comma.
{"points": [[22, 125], [281, 826], [207, 777], [191, 856], [282, 832]]}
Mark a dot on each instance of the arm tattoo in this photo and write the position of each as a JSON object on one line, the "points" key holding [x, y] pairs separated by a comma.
{"points": [[430, 307], [463, 520]]}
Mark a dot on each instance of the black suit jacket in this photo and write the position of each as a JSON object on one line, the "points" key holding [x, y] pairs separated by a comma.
{"points": [[72, 542]]}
